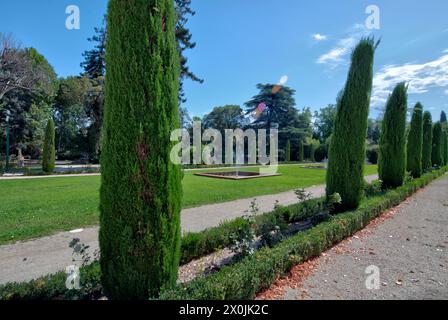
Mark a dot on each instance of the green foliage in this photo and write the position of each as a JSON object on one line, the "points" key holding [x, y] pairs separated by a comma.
{"points": [[445, 147], [443, 119], [243, 280], [415, 142], [140, 196], [372, 154], [437, 145], [313, 148], [427, 141], [288, 151], [194, 245], [392, 154], [279, 101], [226, 117], [300, 151], [49, 153], [347, 147]]}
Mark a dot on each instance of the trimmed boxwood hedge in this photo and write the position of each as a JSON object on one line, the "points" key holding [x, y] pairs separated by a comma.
{"points": [[193, 245], [257, 272]]}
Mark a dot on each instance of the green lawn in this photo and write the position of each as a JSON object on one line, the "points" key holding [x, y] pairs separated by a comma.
{"points": [[36, 207]]}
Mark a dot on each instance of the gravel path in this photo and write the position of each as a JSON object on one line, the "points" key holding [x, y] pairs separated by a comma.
{"points": [[408, 244], [30, 259]]}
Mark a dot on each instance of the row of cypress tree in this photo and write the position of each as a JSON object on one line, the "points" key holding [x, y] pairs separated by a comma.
{"points": [[423, 147]]}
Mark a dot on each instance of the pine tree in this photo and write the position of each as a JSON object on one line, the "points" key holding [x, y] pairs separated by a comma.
{"points": [[300, 151], [288, 151], [437, 145], [49, 152], [347, 146], [427, 141], [392, 154], [140, 196]]}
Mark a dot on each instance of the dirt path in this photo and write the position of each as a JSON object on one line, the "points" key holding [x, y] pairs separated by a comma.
{"points": [[408, 244], [30, 259]]}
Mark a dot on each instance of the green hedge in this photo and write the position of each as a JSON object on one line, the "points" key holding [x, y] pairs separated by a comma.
{"points": [[193, 245], [257, 272]]}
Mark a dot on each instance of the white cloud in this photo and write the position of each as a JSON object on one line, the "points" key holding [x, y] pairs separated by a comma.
{"points": [[419, 77], [319, 37], [337, 55], [446, 92]]}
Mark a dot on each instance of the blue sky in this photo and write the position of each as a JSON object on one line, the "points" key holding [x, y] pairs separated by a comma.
{"points": [[244, 42]]}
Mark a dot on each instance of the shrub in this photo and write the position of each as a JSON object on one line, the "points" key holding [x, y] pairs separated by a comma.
{"points": [[392, 152], [140, 197], [300, 156], [427, 141], [347, 147], [49, 152], [321, 153], [415, 142], [437, 145]]}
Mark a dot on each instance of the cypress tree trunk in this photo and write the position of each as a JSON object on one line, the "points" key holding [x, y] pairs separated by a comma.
{"points": [[300, 151], [49, 152], [427, 141], [347, 146], [415, 142], [140, 197], [392, 154], [437, 156], [288, 151]]}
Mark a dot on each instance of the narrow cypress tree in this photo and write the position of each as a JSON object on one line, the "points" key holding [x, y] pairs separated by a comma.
{"points": [[49, 152], [288, 151], [347, 146], [415, 142], [437, 145], [427, 141], [312, 152], [300, 151], [140, 196], [443, 118], [392, 155]]}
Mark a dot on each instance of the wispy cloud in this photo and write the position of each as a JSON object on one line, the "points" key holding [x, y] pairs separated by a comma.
{"points": [[319, 37], [338, 54], [446, 92], [419, 77]]}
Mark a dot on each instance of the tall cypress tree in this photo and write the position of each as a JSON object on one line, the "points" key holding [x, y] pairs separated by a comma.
{"points": [[140, 197], [300, 151], [437, 145], [445, 147], [443, 118], [392, 155], [347, 146], [49, 152], [415, 142], [427, 141], [288, 151]]}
